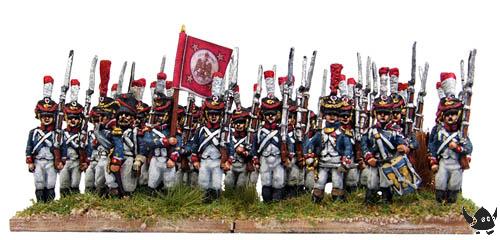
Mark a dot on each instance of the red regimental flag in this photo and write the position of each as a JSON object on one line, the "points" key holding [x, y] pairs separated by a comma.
{"points": [[196, 61]]}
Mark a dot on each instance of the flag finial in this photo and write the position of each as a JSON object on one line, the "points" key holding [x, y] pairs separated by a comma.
{"points": [[183, 28]]}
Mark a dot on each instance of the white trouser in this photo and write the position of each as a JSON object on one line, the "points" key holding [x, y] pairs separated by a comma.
{"points": [[69, 176], [210, 174], [90, 175], [448, 177], [272, 174], [337, 178], [45, 174], [158, 171]]}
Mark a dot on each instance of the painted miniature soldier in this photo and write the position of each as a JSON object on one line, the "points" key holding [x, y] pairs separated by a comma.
{"points": [[310, 172], [266, 147], [398, 96], [109, 143], [381, 144], [74, 152], [237, 174], [205, 144], [92, 153], [346, 110], [295, 174], [162, 167], [446, 146], [143, 110], [333, 148], [125, 122], [40, 155]]}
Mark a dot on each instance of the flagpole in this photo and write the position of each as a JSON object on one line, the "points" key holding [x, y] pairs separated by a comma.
{"points": [[179, 59]]}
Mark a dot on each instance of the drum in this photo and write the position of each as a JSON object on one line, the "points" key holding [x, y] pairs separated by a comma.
{"points": [[401, 174]]}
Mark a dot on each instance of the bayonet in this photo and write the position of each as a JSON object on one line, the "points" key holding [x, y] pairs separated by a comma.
{"points": [[120, 79]]}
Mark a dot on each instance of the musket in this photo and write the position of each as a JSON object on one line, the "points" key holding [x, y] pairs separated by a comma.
{"points": [[132, 73], [284, 115], [88, 98], [228, 98], [303, 113], [120, 79], [364, 118], [419, 117], [410, 105], [375, 88], [462, 79], [357, 100], [467, 96], [253, 121], [60, 111], [323, 93]]}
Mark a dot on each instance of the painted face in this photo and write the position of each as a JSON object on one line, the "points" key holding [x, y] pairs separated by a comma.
{"points": [[396, 116], [383, 117], [345, 118], [47, 120], [73, 121], [239, 126], [125, 120], [292, 119], [104, 119], [213, 117], [451, 117], [270, 117], [330, 118]]}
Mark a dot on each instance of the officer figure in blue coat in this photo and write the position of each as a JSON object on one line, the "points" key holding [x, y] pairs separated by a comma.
{"points": [[333, 149]]}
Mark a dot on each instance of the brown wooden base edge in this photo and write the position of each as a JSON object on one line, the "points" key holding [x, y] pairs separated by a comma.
{"points": [[93, 224]]}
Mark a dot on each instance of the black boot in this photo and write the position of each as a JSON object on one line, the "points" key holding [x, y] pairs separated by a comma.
{"points": [[386, 195], [64, 192], [90, 190], [371, 196], [207, 196], [278, 194], [267, 193], [101, 192], [39, 195], [351, 189], [317, 195], [75, 190], [440, 196], [301, 190], [50, 194], [216, 194], [451, 196]]}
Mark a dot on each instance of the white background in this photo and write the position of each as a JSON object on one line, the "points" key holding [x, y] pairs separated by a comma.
{"points": [[37, 35]]}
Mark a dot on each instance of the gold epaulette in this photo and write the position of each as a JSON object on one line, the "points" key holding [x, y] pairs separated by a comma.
{"points": [[348, 132], [329, 130], [117, 131]]}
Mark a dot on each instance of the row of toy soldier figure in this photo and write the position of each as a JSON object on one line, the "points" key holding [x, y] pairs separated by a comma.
{"points": [[363, 136]]}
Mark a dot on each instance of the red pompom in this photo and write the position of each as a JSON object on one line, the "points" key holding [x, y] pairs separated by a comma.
{"points": [[383, 71], [217, 74], [141, 82], [161, 76], [268, 74], [74, 82], [48, 79], [402, 86], [336, 67], [447, 75], [342, 77], [153, 84], [282, 80], [438, 85], [169, 84], [114, 87], [255, 86], [351, 81], [394, 71]]}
